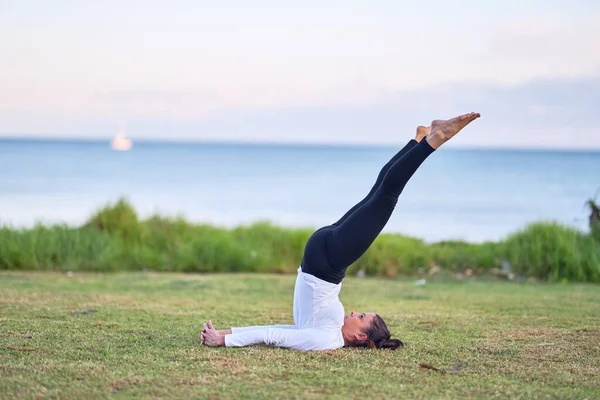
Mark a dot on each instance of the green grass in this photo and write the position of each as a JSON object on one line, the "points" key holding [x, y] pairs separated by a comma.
{"points": [[492, 339], [116, 239]]}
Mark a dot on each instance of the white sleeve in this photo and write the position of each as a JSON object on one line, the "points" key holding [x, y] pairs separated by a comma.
{"points": [[296, 339], [250, 328]]}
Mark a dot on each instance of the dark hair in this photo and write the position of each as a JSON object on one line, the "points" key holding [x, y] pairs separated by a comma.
{"points": [[379, 337]]}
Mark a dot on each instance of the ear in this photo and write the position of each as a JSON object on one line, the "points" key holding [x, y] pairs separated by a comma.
{"points": [[361, 337]]}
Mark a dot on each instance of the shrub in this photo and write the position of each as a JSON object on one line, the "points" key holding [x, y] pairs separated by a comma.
{"points": [[115, 238]]}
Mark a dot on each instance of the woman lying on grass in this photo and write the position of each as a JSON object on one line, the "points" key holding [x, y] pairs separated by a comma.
{"points": [[319, 320]]}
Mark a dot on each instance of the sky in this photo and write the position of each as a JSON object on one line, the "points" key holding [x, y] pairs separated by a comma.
{"points": [[302, 71]]}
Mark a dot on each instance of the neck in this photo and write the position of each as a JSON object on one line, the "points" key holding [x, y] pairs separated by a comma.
{"points": [[347, 340]]}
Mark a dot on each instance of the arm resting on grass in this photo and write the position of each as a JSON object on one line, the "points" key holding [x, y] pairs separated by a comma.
{"points": [[292, 338], [238, 329], [255, 327]]}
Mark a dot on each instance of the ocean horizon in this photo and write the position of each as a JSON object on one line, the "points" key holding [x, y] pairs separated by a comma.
{"points": [[473, 194], [105, 140]]}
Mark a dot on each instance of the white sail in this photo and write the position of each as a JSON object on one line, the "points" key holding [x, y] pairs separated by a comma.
{"points": [[120, 141]]}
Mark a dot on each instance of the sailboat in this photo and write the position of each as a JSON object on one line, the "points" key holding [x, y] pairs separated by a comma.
{"points": [[120, 141]]}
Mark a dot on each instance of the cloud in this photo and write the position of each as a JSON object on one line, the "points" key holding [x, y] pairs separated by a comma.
{"points": [[539, 47], [530, 76], [184, 71], [544, 113], [151, 102]]}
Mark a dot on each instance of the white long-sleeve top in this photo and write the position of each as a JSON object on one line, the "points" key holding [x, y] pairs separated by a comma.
{"points": [[318, 320]]}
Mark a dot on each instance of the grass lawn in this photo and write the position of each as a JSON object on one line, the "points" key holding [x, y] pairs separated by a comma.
{"points": [[488, 340]]}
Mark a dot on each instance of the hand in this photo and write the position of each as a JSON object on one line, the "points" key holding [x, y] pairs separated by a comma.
{"points": [[222, 332], [205, 329], [211, 337]]}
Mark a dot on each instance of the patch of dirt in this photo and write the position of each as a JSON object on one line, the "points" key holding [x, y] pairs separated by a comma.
{"points": [[187, 382], [565, 346], [550, 352], [432, 323], [45, 365], [12, 334], [121, 384], [431, 368], [577, 368], [230, 365], [320, 390], [113, 299], [21, 348], [203, 380], [31, 298], [518, 334], [493, 350], [191, 381], [549, 337], [84, 311], [509, 338]]}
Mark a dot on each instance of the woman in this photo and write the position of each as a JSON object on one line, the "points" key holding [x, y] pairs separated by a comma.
{"points": [[319, 320]]}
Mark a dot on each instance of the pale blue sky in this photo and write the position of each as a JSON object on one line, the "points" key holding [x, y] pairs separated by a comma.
{"points": [[328, 71]]}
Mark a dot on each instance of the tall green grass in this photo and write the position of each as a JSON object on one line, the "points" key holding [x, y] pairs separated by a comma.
{"points": [[115, 238]]}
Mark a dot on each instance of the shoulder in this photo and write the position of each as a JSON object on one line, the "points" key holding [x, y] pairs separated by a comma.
{"points": [[320, 339]]}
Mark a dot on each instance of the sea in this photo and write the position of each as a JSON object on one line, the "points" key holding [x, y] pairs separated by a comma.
{"points": [[475, 195]]}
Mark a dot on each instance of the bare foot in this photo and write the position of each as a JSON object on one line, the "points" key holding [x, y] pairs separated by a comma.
{"points": [[422, 132], [444, 130]]}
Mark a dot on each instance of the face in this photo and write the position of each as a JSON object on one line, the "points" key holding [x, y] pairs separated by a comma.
{"points": [[355, 326]]}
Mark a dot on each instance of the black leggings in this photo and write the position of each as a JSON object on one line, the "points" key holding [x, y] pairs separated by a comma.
{"points": [[333, 248]]}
